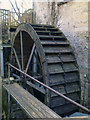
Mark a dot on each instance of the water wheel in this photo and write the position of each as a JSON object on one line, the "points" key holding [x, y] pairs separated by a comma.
{"points": [[43, 52]]}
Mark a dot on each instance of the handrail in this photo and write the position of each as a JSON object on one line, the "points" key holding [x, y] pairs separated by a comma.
{"points": [[58, 93]]}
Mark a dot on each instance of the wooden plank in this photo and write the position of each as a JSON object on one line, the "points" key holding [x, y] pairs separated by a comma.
{"points": [[42, 25], [53, 51], [63, 110], [58, 79], [55, 43], [53, 72], [42, 28], [58, 33], [52, 58], [33, 107], [55, 68], [59, 89], [73, 87], [56, 59], [71, 76], [58, 101], [51, 38], [62, 81], [69, 66], [47, 36], [70, 88], [68, 56], [59, 48]]}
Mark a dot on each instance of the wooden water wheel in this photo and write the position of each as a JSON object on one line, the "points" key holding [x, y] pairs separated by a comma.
{"points": [[43, 52]]}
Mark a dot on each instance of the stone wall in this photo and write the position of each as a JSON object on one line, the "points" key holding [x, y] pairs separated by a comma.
{"points": [[72, 19]]}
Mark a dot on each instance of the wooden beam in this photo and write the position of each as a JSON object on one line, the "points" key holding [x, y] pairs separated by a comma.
{"points": [[31, 105], [42, 90]]}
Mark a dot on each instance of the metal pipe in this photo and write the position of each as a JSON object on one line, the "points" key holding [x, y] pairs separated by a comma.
{"points": [[61, 95]]}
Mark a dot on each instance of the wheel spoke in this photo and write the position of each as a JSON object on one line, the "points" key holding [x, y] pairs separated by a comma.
{"points": [[22, 50], [38, 62], [17, 58], [34, 62], [31, 54]]}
